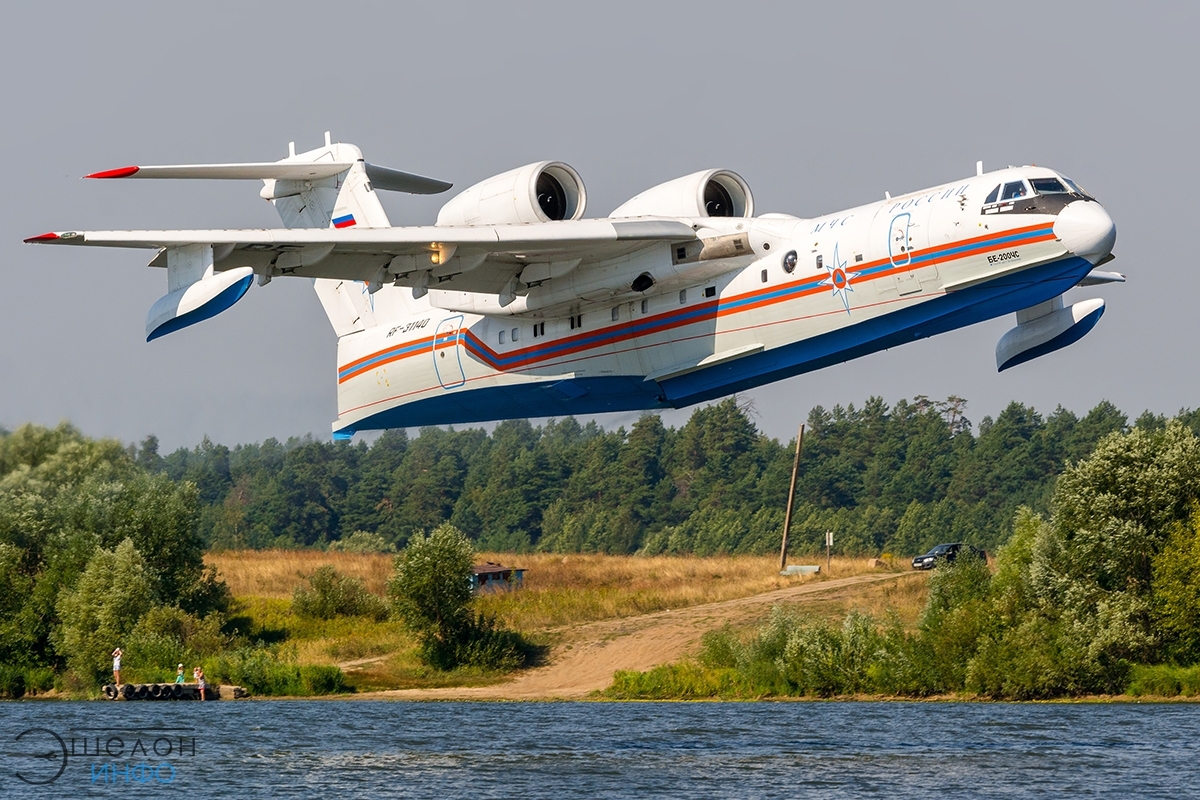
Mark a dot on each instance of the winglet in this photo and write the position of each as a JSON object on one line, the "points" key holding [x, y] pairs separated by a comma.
{"points": [[122, 172]]}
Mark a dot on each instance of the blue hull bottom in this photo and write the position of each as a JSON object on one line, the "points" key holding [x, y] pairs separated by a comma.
{"points": [[631, 393]]}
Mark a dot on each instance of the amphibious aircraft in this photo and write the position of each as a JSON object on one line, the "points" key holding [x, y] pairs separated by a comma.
{"points": [[515, 304]]}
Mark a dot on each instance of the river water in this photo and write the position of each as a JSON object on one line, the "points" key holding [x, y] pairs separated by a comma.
{"points": [[340, 749]]}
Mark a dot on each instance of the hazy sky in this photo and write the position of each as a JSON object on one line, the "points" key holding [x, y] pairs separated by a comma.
{"points": [[818, 109]]}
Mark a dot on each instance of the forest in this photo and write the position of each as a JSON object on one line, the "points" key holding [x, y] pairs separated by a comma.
{"points": [[104, 542], [894, 479]]}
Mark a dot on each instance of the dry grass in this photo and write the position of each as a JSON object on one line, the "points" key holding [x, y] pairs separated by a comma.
{"points": [[277, 573], [904, 598], [558, 591]]}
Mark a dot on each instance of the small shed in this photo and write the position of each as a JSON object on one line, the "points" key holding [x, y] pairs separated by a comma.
{"points": [[492, 577]]}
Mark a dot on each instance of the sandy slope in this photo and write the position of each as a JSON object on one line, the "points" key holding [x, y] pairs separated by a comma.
{"points": [[588, 655]]}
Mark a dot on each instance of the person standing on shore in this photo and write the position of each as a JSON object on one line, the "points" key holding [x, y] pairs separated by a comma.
{"points": [[179, 674], [116, 657]]}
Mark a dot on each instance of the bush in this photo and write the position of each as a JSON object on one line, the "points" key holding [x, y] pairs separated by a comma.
{"points": [[322, 679], [431, 592], [331, 594], [1164, 680], [12, 682], [39, 679], [362, 542], [486, 645], [684, 681], [263, 672]]}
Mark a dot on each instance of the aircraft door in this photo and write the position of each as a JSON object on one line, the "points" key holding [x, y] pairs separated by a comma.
{"points": [[447, 352], [900, 241]]}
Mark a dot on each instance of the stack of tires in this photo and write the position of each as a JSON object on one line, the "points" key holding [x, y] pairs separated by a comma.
{"points": [[150, 691]]}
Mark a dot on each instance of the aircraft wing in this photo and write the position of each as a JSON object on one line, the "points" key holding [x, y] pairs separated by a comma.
{"points": [[480, 258]]}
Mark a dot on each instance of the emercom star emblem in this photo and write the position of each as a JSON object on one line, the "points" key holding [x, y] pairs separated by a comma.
{"points": [[839, 278]]}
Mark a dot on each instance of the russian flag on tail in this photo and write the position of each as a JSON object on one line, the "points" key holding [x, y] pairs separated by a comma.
{"points": [[345, 221]]}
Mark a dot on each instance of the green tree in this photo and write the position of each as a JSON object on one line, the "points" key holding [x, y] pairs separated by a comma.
{"points": [[1176, 578], [430, 590], [112, 594]]}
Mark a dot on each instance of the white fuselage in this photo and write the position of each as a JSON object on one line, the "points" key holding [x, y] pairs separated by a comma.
{"points": [[806, 293]]}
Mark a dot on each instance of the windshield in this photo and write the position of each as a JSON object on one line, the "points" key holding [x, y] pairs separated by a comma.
{"points": [[1048, 186], [1075, 187], [941, 548]]}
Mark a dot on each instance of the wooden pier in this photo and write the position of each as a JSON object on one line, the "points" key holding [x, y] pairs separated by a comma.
{"points": [[171, 691]]}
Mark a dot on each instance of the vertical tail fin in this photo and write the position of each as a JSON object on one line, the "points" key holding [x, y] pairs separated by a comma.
{"points": [[342, 201]]}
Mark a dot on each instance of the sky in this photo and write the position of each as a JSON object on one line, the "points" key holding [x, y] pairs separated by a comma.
{"points": [[818, 108]]}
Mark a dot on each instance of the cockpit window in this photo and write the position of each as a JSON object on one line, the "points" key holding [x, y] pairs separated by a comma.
{"points": [[1075, 187], [1048, 186], [991, 198], [1013, 190]]}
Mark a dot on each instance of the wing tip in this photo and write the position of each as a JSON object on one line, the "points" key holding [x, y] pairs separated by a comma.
{"points": [[121, 172], [44, 237]]}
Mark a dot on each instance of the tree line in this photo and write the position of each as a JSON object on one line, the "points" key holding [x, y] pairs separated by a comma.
{"points": [[896, 479], [102, 543], [1100, 595]]}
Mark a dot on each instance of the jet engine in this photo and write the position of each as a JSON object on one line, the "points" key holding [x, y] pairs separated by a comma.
{"points": [[711, 193], [548, 191]]}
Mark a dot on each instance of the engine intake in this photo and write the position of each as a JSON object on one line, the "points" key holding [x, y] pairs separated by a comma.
{"points": [[711, 193], [548, 191]]}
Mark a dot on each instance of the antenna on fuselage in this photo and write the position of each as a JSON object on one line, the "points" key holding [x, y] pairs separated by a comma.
{"points": [[978, 167]]}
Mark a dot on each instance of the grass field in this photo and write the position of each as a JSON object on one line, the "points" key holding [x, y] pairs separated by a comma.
{"points": [[559, 592]]}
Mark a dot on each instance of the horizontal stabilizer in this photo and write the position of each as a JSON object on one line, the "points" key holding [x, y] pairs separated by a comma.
{"points": [[381, 177]]}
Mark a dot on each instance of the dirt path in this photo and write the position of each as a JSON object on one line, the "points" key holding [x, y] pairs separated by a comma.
{"points": [[586, 658]]}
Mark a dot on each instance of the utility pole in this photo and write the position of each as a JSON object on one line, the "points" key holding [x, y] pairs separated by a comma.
{"points": [[787, 517], [828, 550]]}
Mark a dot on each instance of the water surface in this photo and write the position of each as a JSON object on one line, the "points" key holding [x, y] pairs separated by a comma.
{"points": [[485, 750]]}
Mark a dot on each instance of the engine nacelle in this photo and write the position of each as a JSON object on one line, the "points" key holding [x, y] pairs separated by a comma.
{"points": [[548, 191], [711, 193]]}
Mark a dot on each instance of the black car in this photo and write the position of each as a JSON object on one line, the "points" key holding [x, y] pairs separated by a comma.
{"points": [[947, 553]]}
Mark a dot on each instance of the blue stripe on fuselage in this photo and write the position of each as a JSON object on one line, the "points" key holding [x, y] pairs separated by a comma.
{"points": [[631, 393]]}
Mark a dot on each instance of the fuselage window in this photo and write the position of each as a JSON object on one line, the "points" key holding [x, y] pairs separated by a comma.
{"points": [[1048, 186], [502, 336], [991, 198], [710, 291], [645, 305], [515, 331], [616, 313], [764, 276], [682, 296], [1013, 190]]}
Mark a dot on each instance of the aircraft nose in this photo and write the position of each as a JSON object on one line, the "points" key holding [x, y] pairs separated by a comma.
{"points": [[1086, 230]]}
